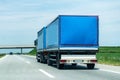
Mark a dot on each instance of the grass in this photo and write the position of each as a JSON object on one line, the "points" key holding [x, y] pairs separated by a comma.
{"points": [[33, 52], [109, 55], [109, 58], [109, 49], [1, 55]]}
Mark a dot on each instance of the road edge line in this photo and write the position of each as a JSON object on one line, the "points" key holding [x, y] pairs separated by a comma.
{"points": [[110, 71], [29, 56], [3, 57]]}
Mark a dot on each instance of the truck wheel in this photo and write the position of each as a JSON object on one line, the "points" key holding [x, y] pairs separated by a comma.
{"points": [[90, 66], [49, 62], [42, 58], [38, 60], [59, 66], [45, 61]]}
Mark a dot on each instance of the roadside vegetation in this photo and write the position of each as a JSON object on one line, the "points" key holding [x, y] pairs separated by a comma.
{"points": [[33, 52], [1, 55], [109, 55], [106, 55]]}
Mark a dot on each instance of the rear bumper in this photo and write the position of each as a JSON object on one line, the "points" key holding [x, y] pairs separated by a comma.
{"points": [[78, 59]]}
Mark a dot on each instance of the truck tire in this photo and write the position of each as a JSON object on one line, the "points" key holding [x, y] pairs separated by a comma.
{"points": [[90, 66], [38, 60], [60, 66], [49, 62], [42, 58]]}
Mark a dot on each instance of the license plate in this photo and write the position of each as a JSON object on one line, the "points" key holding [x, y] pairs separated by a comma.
{"points": [[78, 61], [86, 61]]}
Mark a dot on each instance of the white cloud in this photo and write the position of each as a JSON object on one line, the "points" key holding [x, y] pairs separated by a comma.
{"points": [[32, 15]]}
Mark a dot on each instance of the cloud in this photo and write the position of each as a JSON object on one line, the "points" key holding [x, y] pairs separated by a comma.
{"points": [[31, 15]]}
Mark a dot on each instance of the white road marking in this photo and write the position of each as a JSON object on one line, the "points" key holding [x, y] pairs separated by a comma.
{"points": [[4, 57], [110, 71], [47, 74], [27, 62]]}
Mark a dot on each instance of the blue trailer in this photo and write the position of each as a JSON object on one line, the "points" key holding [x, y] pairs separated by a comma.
{"points": [[69, 39], [40, 44]]}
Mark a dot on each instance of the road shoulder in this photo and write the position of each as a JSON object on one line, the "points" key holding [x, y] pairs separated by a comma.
{"points": [[108, 68]]}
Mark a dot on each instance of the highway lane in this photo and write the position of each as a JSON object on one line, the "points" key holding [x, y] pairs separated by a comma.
{"points": [[17, 67]]}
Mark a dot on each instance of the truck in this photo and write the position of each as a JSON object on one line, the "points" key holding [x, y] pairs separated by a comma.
{"points": [[69, 39]]}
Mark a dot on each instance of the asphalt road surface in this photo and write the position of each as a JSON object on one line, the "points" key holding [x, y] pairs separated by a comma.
{"points": [[18, 67]]}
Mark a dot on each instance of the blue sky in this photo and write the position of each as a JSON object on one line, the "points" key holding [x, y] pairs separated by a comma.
{"points": [[20, 20]]}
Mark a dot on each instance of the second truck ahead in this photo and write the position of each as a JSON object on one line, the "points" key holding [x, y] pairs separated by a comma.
{"points": [[69, 39]]}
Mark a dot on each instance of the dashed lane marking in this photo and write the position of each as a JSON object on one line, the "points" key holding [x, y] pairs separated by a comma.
{"points": [[27, 62], [46, 73]]}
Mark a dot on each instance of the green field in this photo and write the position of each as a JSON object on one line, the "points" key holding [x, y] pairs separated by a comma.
{"points": [[109, 55], [106, 55], [109, 58], [109, 49]]}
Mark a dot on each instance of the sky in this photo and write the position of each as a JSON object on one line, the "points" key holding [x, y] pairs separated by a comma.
{"points": [[20, 20]]}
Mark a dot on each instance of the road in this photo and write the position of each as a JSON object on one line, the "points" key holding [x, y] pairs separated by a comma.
{"points": [[18, 67]]}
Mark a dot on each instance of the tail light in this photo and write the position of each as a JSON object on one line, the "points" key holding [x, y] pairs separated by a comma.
{"points": [[63, 61], [93, 60]]}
